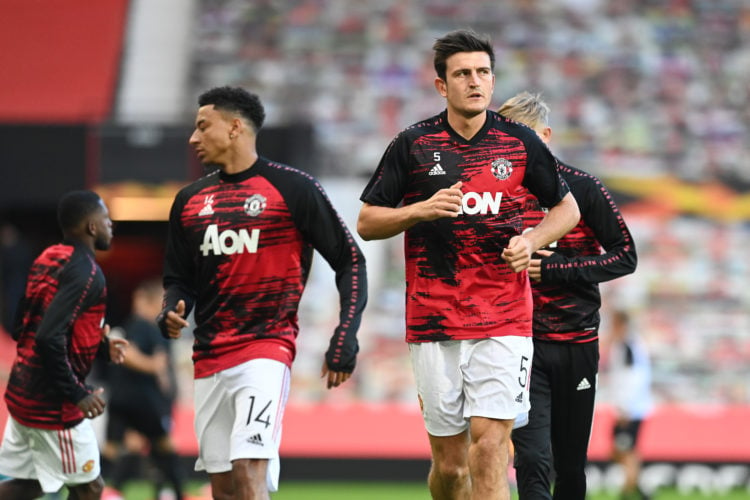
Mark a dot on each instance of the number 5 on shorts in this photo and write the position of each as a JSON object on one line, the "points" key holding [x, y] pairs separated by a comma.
{"points": [[524, 378]]}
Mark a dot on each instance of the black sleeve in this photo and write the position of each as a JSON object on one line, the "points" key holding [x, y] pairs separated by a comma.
{"points": [[74, 294], [601, 214], [179, 267], [320, 224], [18, 319], [388, 184], [542, 178], [103, 352]]}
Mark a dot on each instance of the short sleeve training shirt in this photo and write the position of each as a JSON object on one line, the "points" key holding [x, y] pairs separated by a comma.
{"points": [[458, 286]]}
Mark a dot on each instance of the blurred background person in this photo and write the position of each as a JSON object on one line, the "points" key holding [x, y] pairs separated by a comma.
{"points": [[565, 277], [629, 370], [49, 441], [144, 389], [16, 257]]}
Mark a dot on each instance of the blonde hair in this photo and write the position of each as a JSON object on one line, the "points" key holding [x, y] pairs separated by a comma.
{"points": [[527, 108]]}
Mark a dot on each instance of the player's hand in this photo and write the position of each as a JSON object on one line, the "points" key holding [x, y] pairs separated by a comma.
{"points": [[175, 320], [517, 254], [92, 405], [444, 203], [535, 265], [117, 348], [335, 379]]}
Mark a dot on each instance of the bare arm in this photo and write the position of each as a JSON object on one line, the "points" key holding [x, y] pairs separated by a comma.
{"points": [[137, 360], [557, 223], [377, 223]]}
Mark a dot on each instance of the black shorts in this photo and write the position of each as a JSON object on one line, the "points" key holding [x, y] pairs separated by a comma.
{"points": [[625, 435], [150, 422]]}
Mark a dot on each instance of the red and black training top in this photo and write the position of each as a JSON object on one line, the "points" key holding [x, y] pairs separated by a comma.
{"points": [[600, 248], [240, 249], [457, 284], [59, 332]]}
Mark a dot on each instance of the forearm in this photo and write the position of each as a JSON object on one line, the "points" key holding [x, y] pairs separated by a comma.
{"points": [[377, 223], [54, 359], [590, 269], [557, 223], [136, 360]]}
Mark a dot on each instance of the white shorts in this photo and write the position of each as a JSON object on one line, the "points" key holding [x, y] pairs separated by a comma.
{"points": [[238, 414], [52, 457], [460, 379]]}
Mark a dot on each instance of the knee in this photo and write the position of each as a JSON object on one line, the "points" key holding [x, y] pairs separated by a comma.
{"points": [[451, 472]]}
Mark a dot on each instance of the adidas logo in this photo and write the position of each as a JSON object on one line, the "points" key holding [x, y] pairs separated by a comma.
{"points": [[436, 170], [207, 208], [256, 439], [583, 385], [519, 398]]}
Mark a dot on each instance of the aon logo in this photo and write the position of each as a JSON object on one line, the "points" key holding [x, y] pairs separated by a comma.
{"points": [[229, 241], [481, 203]]}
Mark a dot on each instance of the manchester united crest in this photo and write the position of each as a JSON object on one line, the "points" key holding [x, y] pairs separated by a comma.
{"points": [[501, 168], [255, 205]]}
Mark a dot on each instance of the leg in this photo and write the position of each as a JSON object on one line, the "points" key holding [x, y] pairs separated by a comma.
{"points": [[631, 465], [22, 489], [246, 481], [488, 458], [221, 485], [165, 458], [449, 472], [533, 455], [573, 395], [87, 491], [249, 478], [626, 454]]}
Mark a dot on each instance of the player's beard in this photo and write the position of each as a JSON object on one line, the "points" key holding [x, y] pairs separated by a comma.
{"points": [[102, 242]]}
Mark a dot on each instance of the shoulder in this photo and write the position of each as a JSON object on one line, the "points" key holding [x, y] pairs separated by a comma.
{"points": [[282, 175], [82, 270], [579, 179], [429, 125], [198, 185], [513, 128]]}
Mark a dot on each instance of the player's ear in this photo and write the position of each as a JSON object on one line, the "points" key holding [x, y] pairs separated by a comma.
{"points": [[91, 227], [237, 127], [441, 86]]}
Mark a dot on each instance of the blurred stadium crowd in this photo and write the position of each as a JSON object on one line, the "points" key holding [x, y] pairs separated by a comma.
{"points": [[645, 87], [653, 96]]}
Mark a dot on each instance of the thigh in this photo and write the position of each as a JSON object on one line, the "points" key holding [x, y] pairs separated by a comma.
{"points": [[450, 451], [439, 385], [16, 459], [242, 417], [496, 375], [259, 394], [214, 416], [573, 399], [152, 423], [625, 435], [533, 439], [66, 457]]}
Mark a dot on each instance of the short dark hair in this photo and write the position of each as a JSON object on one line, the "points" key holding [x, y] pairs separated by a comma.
{"points": [[236, 100], [75, 206], [464, 40]]}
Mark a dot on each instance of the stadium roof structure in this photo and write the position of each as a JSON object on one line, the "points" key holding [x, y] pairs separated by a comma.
{"points": [[60, 60]]}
